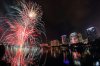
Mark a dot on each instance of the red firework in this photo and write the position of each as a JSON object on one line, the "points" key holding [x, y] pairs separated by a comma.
{"points": [[22, 35]]}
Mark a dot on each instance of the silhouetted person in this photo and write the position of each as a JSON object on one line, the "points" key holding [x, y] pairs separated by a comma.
{"points": [[2, 52]]}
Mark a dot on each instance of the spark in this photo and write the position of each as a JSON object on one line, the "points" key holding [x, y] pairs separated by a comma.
{"points": [[20, 40], [32, 14]]}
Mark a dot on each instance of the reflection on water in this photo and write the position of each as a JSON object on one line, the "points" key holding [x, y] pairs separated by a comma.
{"points": [[55, 51], [75, 55], [78, 55]]}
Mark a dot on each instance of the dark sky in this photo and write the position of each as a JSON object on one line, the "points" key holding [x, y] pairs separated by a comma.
{"points": [[65, 16]]}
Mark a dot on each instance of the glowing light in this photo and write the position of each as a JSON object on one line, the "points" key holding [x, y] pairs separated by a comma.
{"points": [[74, 38], [32, 15], [21, 44], [66, 62], [91, 28]]}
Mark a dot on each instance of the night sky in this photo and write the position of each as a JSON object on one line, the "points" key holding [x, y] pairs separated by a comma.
{"points": [[65, 16]]}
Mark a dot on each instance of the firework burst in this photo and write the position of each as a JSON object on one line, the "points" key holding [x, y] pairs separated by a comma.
{"points": [[22, 38]]}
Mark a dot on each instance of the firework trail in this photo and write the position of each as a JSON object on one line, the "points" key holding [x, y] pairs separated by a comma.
{"points": [[23, 36]]}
